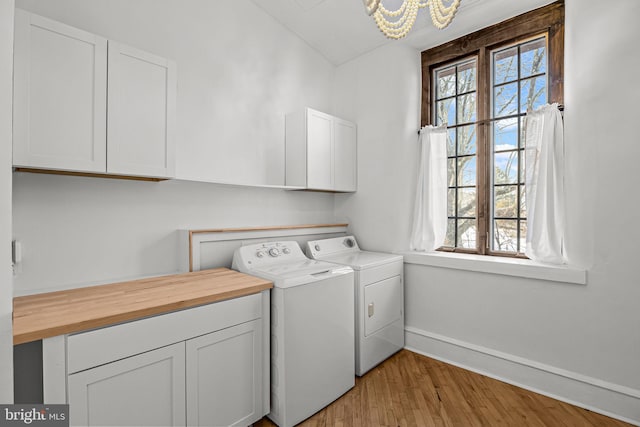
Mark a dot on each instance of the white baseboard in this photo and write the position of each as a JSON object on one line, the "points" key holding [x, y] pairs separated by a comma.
{"points": [[612, 400]]}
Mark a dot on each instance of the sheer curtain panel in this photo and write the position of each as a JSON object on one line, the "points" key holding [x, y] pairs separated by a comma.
{"points": [[544, 175], [430, 210]]}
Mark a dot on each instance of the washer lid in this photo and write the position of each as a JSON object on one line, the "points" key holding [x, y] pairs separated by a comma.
{"points": [[286, 275], [362, 259]]}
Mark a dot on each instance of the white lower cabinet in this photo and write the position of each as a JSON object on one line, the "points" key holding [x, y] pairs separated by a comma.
{"points": [[203, 366], [143, 390], [228, 358]]}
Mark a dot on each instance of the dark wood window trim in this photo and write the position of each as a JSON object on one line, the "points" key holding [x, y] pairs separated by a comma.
{"points": [[547, 20]]}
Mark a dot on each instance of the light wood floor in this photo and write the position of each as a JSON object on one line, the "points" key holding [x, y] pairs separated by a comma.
{"points": [[412, 390]]}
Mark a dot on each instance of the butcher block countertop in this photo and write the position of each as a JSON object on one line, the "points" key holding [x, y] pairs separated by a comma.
{"points": [[57, 313]]}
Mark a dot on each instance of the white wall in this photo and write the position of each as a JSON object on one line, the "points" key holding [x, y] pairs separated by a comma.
{"points": [[380, 91], [589, 333], [238, 73], [6, 292], [77, 231]]}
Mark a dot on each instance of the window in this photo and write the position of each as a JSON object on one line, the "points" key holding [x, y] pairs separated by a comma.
{"points": [[455, 105], [481, 87]]}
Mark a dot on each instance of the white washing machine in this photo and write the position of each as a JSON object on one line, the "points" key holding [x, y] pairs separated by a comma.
{"points": [[312, 330], [379, 297]]}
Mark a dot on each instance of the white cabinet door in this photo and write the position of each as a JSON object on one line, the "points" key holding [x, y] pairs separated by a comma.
{"points": [[344, 158], [319, 150], [224, 377], [143, 390], [141, 112], [60, 88]]}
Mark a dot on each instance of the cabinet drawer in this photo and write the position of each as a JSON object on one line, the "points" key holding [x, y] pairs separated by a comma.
{"points": [[100, 346]]}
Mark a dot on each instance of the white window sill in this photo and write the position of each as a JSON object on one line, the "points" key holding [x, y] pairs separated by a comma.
{"points": [[498, 265]]}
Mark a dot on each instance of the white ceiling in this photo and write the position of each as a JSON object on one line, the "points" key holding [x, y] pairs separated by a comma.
{"points": [[341, 30]]}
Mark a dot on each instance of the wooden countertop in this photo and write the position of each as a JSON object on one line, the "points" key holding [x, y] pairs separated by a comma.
{"points": [[57, 313]]}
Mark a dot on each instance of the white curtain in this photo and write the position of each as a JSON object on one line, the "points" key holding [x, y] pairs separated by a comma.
{"points": [[430, 211], [544, 174]]}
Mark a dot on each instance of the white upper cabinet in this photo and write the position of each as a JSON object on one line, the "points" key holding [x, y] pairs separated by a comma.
{"points": [[60, 96], [141, 113], [320, 152], [63, 82]]}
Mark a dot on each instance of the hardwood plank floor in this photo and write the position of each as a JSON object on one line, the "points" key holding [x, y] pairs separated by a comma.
{"points": [[413, 390]]}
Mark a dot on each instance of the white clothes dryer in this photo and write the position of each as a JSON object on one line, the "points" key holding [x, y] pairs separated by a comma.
{"points": [[312, 330], [379, 297]]}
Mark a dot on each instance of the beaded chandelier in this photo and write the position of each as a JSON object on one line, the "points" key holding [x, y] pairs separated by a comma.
{"points": [[395, 24]]}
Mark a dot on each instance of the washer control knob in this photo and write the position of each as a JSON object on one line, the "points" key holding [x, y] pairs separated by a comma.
{"points": [[317, 247], [349, 243], [274, 252], [286, 251], [259, 254]]}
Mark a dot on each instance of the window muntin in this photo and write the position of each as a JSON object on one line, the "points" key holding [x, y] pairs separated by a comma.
{"points": [[518, 84], [455, 105]]}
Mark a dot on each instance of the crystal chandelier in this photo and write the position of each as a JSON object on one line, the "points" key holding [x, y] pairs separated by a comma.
{"points": [[395, 24]]}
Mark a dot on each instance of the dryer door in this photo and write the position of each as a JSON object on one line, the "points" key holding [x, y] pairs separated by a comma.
{"points": [[383, 304]]}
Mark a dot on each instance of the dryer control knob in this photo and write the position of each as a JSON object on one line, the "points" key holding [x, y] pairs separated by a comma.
{"points": [[259, 254], [274, 252], [286, 251]]}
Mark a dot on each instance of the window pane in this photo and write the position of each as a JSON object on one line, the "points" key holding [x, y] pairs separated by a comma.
{"points": [[467, 77], [451, 202], [505, 100], [505, 134], [505, 167], [505, 235], [533, 93], [523, 202], [451, 142], [505, 65], [467, 232], [446, 81], [505, 201], [533, 58], [467, 170], [523, 236], [467, 108], [450, 238], [467, 140], [446, 112], [451, 172], [467, 202]]}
